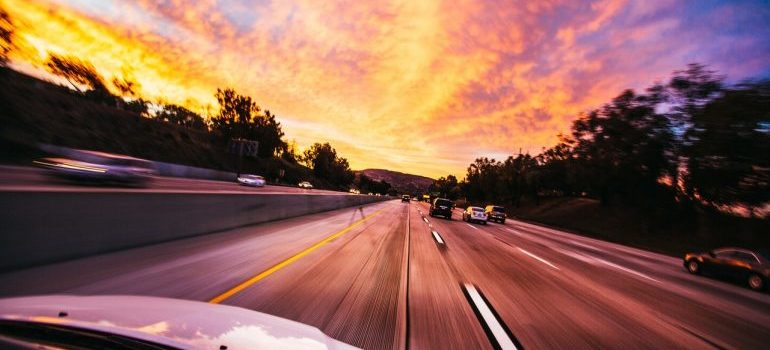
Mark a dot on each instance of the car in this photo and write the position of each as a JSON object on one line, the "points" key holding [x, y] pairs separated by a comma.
{"points": [[116, 322], [441, 207], [405, 198], [354, 191], [99, 167], [251, 180], [495, 213], [751, 267], [305, 185], [475, 214]]}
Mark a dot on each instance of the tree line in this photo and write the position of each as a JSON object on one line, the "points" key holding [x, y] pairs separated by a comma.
{"points": [[691, 141], [238, 116]]}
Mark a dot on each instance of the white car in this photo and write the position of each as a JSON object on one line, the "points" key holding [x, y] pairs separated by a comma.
{"points": [[137, 322], [305, 184], [475, 214], [99, 167], [251, 180]]}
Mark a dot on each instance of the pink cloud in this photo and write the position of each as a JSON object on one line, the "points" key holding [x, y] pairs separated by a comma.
{"points": [[417, 86]]}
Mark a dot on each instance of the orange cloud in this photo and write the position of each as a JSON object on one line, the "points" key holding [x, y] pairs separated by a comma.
{"points": [[415, 86]]}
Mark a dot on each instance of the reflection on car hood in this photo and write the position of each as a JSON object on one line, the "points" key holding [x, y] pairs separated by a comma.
{"points": [[173, 322]]}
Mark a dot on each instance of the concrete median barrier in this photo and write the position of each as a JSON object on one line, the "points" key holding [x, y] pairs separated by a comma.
{"points": [[44, 227]]}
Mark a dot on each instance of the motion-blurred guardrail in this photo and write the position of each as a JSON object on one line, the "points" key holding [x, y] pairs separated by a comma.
{"points": [[45, 227]]}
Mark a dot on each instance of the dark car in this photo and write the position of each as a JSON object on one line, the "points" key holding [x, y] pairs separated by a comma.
{"points": [[495, 213], [441, 207], [747, 266], [405, 198]]}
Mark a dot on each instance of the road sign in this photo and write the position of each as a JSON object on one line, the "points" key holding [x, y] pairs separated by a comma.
{"points": [[243, 147]]}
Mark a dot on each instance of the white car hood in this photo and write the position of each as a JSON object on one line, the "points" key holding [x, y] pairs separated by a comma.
{"points": [[180, 323]]}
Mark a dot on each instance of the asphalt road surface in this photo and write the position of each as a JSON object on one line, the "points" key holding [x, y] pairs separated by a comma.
{"points": [[20, 178], [379, 277]]}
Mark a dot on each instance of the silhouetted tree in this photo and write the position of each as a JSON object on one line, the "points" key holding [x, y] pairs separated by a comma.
{"points": [[381, 187], [326, 164], [267, 130], [235, 114], [518, 176], [482, 179], [291, 154], [689, 90], [239, 117], [6, 36], [557, 169], [138, 106], [690, 139], [126, 87], [366, 184], [179, 115], [728, 148], [447, 187], [363, 183], [623, 147], [76, 72]]}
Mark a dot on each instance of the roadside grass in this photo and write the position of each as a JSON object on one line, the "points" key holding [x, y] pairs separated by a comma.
{"points": [[675, 235]]}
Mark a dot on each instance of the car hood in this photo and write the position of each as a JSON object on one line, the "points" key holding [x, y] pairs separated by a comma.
{"points": [[179, 323]]}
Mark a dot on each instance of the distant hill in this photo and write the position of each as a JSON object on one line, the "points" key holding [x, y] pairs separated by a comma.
{"points": [[403, 183]]}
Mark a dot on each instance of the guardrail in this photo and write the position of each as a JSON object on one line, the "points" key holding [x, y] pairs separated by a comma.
{"points": [[45, 227]]}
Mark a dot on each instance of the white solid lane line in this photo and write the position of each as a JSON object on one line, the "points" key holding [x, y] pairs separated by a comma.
{"points": [[593, 260], [589, 259], [605, 262], [577, 256], [497, 330], [574, 242], [437, 237], [597, 243], [537, 258], [474, 227]]}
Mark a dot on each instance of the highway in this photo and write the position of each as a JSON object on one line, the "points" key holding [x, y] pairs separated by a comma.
{"points": [[24, 178], [387, 275]]}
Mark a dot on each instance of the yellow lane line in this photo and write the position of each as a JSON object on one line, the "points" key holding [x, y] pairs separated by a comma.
{"points": [[219, 298]]}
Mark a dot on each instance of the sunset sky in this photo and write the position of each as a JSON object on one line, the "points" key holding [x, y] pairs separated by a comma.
{"points": [[418, 86]]}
